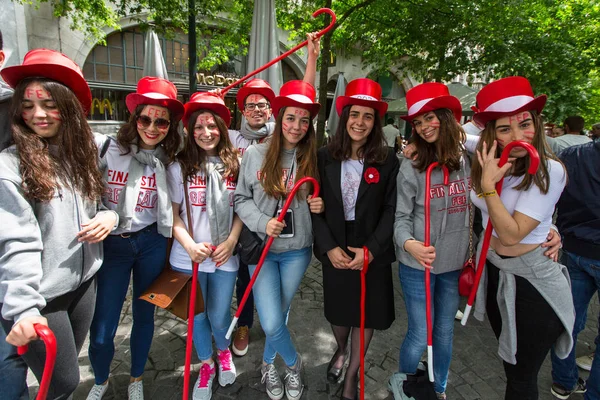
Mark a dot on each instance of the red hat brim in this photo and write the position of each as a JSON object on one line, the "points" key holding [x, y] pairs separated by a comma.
{"points": [[67, 76], [283, 101], [537, 104], [175, 107], [219, 109], [449, 102], [246, 91], [343, 101]]}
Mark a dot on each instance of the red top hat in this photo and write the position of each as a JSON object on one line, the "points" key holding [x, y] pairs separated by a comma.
{"points": [[53, 65], [254, 86], [507, 96], [296, 94], [206, 101], [157, 92], [428, 97], [362, 92]]}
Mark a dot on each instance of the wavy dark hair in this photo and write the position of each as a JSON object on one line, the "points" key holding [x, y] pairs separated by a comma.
{"points": [[447, 150], [74, 164], [192, 158], [306, 158], [373, 151], [128, 134], [520, 165]]}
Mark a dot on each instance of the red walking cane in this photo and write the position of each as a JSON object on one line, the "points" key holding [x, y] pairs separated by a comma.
{"points": [[49, 340], [287, 53], [363, 296], [190, 332], [534, 163], [263, 256], [427, 271]]}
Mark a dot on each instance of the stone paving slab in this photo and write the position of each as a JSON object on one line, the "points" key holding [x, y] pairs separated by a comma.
{"points": [[475, 374]]}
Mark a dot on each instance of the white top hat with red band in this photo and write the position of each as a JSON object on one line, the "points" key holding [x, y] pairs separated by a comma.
{"points": [[507, 96], [430, 96], [362, 92], [296, 94]]}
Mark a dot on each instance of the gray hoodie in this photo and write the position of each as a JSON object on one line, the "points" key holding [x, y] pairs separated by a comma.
{"points": [[5, 95], [40, 257], [449, 231], [255, 208]]}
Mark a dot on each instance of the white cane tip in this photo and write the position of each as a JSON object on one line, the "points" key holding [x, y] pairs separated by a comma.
{"points": [[466, 314], [231, 327], [430, 362]]}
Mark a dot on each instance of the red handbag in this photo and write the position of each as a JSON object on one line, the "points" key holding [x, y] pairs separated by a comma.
{"points": [[467, 275]]}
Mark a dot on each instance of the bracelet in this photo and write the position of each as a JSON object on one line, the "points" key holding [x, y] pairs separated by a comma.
{"points": [[487, 194]]}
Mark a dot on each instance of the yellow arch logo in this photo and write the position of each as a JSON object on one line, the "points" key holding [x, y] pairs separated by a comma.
{"points": [[102, 105]]}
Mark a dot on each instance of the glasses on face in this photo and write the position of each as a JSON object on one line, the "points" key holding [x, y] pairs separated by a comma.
{"points": [[160, 123], [254, 106]]}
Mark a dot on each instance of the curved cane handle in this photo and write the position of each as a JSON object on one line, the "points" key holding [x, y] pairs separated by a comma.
{"points": [[295, 189], [533, 155], [47, 336]]}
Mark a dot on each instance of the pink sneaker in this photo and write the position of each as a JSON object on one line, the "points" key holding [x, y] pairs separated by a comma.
{"points": [[227, 372], [203, 387]]}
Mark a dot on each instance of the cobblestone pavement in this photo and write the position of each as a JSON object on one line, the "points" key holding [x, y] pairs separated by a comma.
{"points": [[476, 370]]}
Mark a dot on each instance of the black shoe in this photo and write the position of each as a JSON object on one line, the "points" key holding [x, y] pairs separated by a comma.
{"points": [[333, 373]]}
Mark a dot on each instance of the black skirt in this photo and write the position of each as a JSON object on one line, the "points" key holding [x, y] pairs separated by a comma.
{"points": [[341, 292]]}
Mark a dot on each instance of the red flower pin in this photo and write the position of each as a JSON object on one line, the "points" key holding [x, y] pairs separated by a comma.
{"points": [[371, 175]]}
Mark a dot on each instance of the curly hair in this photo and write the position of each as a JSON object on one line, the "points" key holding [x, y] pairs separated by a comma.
{"points": [[192, 158], [128, 134], [373, 151], [447, 150], [306, 157], [75, 163], [520, 165]]}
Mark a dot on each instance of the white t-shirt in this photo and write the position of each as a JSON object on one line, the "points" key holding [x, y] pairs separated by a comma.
{"points": [[531, 202], [197, 191], [351, 177], [117, 169]]}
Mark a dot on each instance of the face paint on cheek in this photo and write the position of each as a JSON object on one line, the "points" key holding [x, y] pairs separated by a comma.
{"points": [[501, 142], [286, 127], [529, 135], [304, 128], [55, 115], [435, 125]]}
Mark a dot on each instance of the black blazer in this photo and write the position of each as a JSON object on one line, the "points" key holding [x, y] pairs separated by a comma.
{"points": [[375, 209]]}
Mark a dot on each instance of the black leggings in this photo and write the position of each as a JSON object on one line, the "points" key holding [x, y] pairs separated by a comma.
{"points": [[69, 317], [538, 328]]}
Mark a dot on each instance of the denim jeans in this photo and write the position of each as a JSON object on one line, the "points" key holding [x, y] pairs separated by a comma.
{"points": [[444, 303], [274, 290], [585, 281], [217, 290], [243, 279], [144, 253], [13, 371]]}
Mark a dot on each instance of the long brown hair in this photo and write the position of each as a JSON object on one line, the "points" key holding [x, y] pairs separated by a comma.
{"points": [[192, 158], [74, 164], [520, 165], [306, 159], [128, 134], [372, 152], [447, 150]]}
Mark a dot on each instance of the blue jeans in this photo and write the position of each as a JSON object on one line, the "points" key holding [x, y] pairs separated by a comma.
{"points": [[585, 281], [217, 290], [13, 371], [144, 253], [444, 303], [274, 290]]}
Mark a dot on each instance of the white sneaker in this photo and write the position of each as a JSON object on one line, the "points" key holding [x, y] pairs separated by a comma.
{"points": [[293, 381], [97, 392], [135, 391], [271, 379], [585, 362], [227, 371], [203, 386]]}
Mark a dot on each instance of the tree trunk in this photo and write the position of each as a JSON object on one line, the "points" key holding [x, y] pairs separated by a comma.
{"points": [[323, 74]]}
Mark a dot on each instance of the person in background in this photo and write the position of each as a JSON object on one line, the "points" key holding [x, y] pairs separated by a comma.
{"points": [[53, 220], [595, 132], [254, 100], [390, 132], [573, 127]]}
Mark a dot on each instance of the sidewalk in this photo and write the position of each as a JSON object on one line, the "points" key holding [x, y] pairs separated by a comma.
{"points": [[476, 370]]}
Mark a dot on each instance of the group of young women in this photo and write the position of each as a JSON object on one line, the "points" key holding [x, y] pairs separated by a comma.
{"points": [[82, 214]]}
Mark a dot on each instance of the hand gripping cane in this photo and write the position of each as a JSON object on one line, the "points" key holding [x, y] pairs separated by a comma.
{"points": [[287, 53], [363, 296], [427, 271], [50, 342], [534, 163], [265, 251]]}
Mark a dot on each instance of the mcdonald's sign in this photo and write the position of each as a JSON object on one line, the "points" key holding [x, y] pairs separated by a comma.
{"points": [[102, 105]]}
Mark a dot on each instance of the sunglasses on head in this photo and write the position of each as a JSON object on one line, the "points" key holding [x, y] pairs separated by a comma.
{"points": [[160, 123]]}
